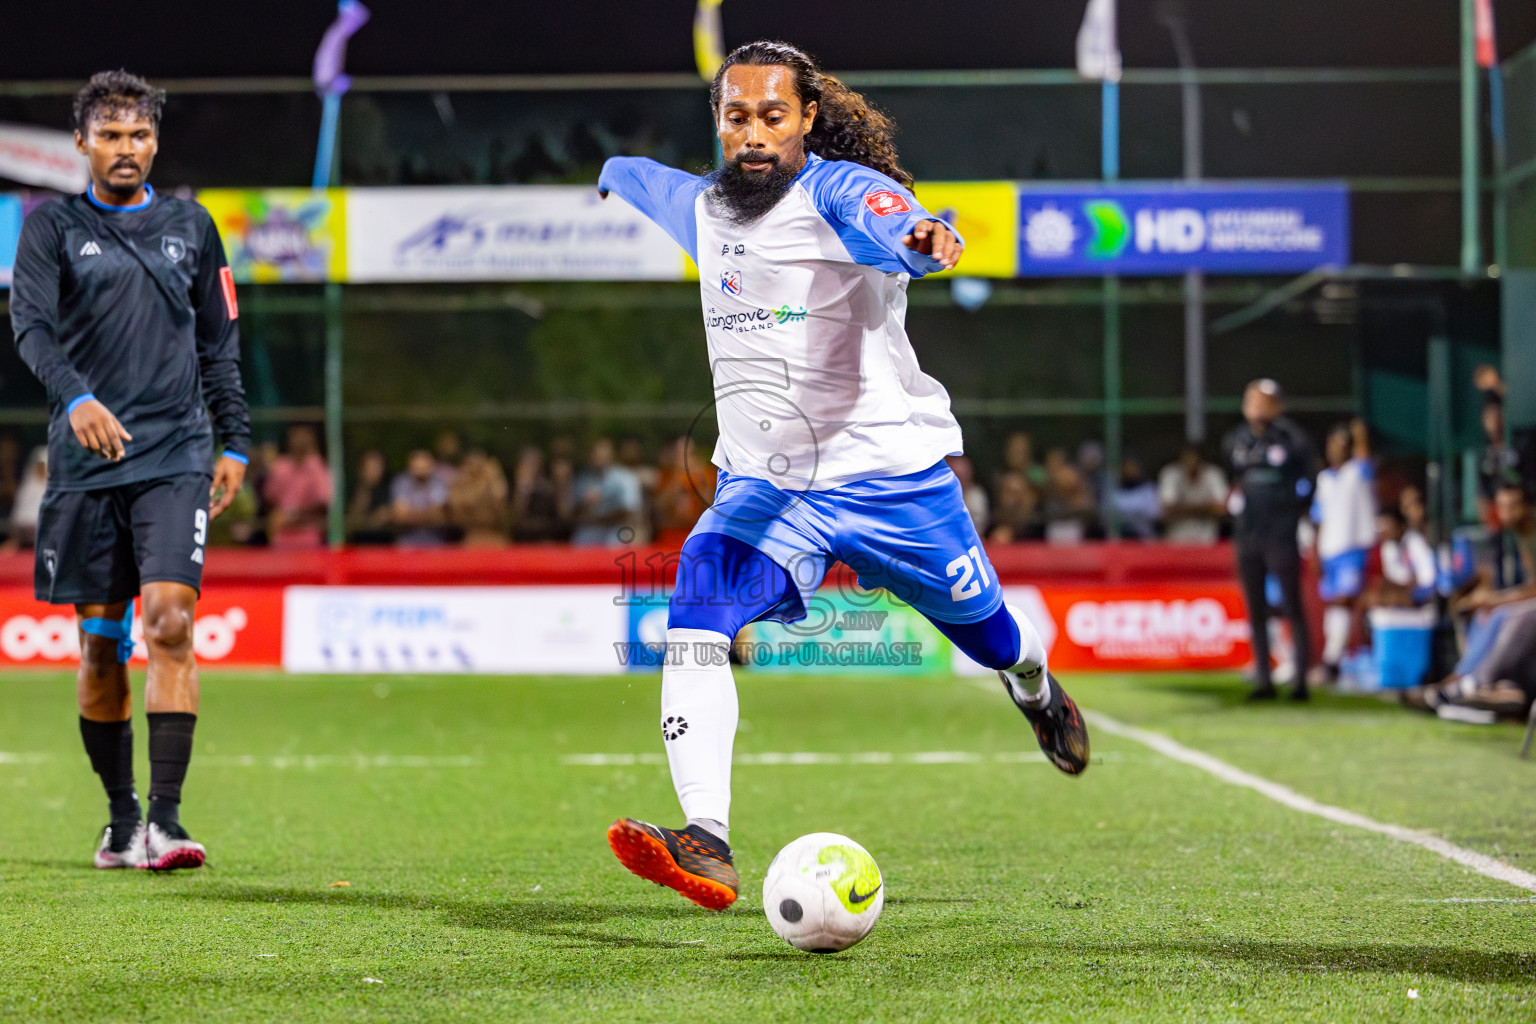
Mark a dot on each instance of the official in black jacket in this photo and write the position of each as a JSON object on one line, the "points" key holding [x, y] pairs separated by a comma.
{"points": [[1272, 462], [123, 306]]}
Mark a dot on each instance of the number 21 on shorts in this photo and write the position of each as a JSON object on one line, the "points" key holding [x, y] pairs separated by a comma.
{"points": [[972, 570]]}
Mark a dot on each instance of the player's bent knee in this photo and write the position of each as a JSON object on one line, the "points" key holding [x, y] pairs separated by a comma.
{"points": [[168, 629], [994, 641]]}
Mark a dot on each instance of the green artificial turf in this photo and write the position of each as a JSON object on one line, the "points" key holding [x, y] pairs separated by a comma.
{"points": [[482, 888]]}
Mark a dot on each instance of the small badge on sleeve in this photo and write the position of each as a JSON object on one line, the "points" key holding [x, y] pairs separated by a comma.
{"points": [[885, 202], [227, 281]]}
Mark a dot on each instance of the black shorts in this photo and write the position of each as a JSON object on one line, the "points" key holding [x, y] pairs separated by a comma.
{"points": [[100, 546]]}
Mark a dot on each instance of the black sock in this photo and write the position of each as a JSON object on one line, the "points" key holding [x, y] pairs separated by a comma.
{"points": [[170, 749], [109, 745]]}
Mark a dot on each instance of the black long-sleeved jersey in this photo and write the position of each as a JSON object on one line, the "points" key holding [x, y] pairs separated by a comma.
{"points": [[1274, 470], [135, 306]]}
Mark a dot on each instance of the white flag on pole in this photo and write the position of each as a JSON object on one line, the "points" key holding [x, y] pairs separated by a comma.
{"points": [[1098, 51], [44, 157]]}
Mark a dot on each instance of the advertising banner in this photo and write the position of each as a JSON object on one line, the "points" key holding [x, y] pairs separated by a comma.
{"points": [[235, 626], [281, 235], [986, 215], [557, 630], [45, 157], [1168, 228], [1150, 628], [10, 234], [524, 233]]}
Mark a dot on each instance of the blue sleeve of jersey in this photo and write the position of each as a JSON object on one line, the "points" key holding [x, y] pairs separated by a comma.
{"points": [[664, 194], [872, 214]]}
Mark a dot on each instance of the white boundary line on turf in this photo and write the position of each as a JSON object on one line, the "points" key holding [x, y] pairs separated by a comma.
{"points": [[1479, 862]]}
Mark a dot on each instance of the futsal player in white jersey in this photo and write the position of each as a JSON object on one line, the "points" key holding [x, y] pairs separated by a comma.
{"points": [[832, 439], [1344, 509]]}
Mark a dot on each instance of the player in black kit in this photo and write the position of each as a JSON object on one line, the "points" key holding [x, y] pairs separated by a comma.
{"points": [[123, 306]]}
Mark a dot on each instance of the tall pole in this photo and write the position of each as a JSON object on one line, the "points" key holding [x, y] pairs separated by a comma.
{"points": [[1112, 397], [1172, 15], [1471, 245]]}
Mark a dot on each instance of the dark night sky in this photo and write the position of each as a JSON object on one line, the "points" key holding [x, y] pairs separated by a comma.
{"points": [[70, 39]]}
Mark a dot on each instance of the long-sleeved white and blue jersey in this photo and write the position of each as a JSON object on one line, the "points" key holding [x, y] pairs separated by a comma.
{"points": [[816, 384]]}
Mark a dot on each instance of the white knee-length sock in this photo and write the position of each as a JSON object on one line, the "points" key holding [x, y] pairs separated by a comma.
{"points": [[1337, 623], [1028, 676], [698, 722]]}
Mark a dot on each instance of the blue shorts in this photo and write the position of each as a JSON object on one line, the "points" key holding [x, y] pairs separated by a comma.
{"points": [[1343, 575], [910, 535]]}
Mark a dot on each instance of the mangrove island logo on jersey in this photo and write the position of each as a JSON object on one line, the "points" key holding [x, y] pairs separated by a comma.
{"points": [[756, 319]]}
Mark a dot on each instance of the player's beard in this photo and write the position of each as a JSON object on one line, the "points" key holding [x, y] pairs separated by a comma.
{"points": [[744, 196]]}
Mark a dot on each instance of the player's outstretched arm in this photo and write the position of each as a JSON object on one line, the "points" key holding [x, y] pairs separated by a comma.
{"points": [[664, 194], [935, 238]]}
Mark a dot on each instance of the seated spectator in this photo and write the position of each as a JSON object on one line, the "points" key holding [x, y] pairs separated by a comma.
{"points": [[608, 500], [419, 503], [631, 456], [1193, 497], [297, 488], [29, 499], [1490, 608], [1135, 501], [685, 485], [369, 511], [1069, 506], [448, 451], [540, 511], [974, 495], [1016, 516], [1091, 467], [477, 501], [1407, 563], [1019, 457], [1415, 515]]}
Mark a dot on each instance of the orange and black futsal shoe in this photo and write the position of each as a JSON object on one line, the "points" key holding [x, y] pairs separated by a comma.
{"points": [[690, 860], [1058, 726]]}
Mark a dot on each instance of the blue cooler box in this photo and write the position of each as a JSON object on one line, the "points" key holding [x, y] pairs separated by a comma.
{"points": [[1401, 642]]}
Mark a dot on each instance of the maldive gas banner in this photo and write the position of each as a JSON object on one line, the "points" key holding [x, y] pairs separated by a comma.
{"points": [[507, 233], [276, 236], [1168, 228]]}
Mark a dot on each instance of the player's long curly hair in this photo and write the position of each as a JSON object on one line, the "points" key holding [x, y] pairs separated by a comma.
{"points": [[846, 128]]}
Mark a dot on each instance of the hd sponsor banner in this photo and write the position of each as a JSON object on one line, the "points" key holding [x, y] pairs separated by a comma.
{"points": [[280, 235], [1146, 628], [1168, 228], [535, 233], [556, 630], [233, 626]]}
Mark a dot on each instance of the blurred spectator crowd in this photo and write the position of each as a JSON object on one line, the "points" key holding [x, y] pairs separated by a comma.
{"points": [[614, 493], [609, 495]]}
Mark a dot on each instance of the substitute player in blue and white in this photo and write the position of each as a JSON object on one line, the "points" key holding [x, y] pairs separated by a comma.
{"points": [[832, 439], [1344, 510]]}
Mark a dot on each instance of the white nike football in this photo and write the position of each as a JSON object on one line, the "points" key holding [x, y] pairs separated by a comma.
{"points": [[823, 893]]}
